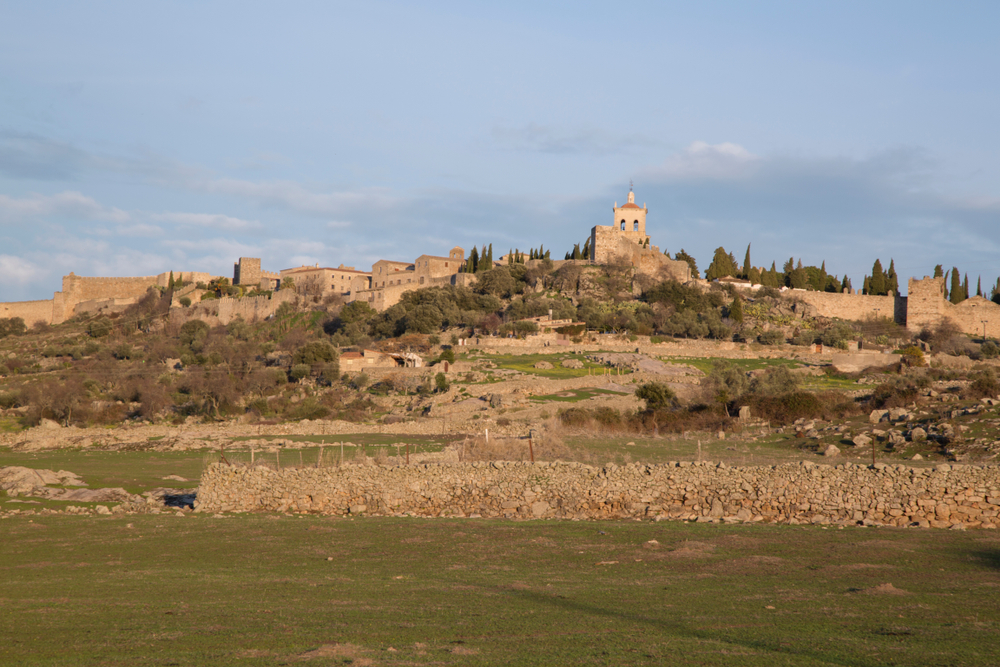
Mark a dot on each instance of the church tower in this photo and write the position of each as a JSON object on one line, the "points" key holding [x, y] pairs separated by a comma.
{"points": [[631, 218]]}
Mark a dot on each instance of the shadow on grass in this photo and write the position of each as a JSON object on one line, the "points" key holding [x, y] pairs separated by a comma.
{"points": [[675, 628], [988, 557]]}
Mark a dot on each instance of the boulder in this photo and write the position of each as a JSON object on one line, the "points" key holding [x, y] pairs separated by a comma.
{"points": [[878, 415], [544, 365], [862, 440], [899, 414], [496, 401], [831, 450], [571, 363], [918, 434]]}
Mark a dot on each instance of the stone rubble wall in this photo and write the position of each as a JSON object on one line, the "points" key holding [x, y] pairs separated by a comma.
{"points": [[948, 496]]}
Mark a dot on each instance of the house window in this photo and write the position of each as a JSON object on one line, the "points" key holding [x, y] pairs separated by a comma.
{"points": [[623, 225]]}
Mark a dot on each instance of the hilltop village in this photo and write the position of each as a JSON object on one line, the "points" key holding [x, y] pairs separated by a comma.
{"points": [[254, 294]]}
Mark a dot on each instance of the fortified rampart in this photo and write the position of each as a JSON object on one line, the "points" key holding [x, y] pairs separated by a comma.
{"points": [[942, 497], [225, 310], [29, 311], [853, 306]]}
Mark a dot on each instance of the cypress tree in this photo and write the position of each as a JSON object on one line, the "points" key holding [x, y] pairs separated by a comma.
{"points": [[892, 281], [746, 264], [979, 286], [866, 288], [722, 265], [938, 271], [576, 251], [541, 251], [846, 285], [965, 288], [170, 283], [489, 258], [877, 284], [586, 248], [474, 260], [510, 257], [956, 286], [546, 255]]}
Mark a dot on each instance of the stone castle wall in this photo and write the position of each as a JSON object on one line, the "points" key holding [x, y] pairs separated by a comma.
{"points": [[939, 497], [223, 311], [29, 311], [853, 306]]}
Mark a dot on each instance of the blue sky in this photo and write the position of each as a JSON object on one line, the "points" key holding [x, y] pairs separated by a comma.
{"points": [[137, 138]]}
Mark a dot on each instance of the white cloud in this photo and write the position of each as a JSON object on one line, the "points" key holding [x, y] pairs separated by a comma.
{"points": [[19, 271], [208, 220], [537, 138], [701, 160], [64, 204]]}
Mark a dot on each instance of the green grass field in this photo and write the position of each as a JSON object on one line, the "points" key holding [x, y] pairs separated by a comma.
{"points": [[526, 364], [272, 590]]}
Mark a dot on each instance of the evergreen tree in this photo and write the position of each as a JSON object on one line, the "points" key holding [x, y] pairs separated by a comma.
{"points": [[510, 257], [541, 252], [956, 286], [892, 281], [846, 285], [754, 276], [979, 286], [877, 283], [747, 265], [995, 296], [736, 309], [722, 265], [586, 248], [170, 282], [569, 255], [866, 289], [474, 260], [682, 256], [546, 255], [965, 288], [489, 258], [938, 271]]}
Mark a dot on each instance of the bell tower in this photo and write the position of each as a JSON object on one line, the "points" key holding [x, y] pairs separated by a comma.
{"points": [[631, 218]]}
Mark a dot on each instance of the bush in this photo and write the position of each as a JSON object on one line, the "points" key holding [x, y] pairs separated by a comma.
{"points": [[12, 326], [786, 408], [185, 302], [441, 382], [99, 328], [447, 355], [984, 384], [299, 371], [657, 395], [772, 337]]}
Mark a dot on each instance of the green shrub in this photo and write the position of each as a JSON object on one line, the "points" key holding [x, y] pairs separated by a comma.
{"points": [[185, 302], [772, 337], [786, 408], [657, 395], [984, 384], [299, 371], [99, 328], [441, 382], [12, 326]]}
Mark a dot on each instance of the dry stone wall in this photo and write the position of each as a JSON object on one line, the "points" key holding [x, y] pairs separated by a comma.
{"points": [[943, 497]]}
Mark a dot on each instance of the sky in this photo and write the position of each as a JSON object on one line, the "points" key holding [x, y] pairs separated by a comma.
{"points": [[138, 138]]}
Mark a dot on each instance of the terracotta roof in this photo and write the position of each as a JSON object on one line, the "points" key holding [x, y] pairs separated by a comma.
{"points": [[630, 206], [351, 355]]}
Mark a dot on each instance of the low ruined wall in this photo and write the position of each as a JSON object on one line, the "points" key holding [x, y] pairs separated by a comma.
{"points": [[941, 497]]}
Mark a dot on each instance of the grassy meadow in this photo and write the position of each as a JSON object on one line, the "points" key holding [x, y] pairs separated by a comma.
{"points": [[273, 590]]}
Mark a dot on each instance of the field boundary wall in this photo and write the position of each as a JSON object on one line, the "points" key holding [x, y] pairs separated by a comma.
{"points": [[943, 497]]}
